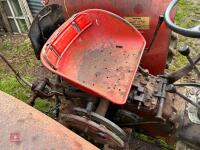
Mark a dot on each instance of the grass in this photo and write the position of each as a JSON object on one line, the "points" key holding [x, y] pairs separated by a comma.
{"points": [[20, 54], [157, 141], [10, 85], [187, 16]]}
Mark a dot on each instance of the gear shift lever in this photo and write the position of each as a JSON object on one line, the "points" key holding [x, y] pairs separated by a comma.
{"points": [[185, 51]]}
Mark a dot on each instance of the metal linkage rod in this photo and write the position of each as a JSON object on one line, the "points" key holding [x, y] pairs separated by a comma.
{"points": [[17, 74]]}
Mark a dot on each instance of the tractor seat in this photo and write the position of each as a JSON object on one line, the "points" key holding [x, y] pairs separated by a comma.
{"points": [[97, 52]]}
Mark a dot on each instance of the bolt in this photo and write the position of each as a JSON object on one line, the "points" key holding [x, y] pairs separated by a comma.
{"points": [[157, 80], [143, 83], [139, 105], [153, 101], [101, 134], [147, 79], [173, 116]]}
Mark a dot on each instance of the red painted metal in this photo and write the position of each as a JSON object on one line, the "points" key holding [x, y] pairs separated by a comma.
{"points": [[23, 127], [97, 51], [155, 59]]}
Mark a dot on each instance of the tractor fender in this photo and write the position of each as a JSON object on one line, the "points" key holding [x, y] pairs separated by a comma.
{"points": [[23, 127]]}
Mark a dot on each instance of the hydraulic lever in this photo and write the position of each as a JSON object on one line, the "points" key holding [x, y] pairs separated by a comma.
{"points": [[175, 76], [185, 51]]}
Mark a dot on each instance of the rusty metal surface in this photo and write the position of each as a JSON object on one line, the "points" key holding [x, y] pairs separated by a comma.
{"points": [[194, 95], [149, 82], [174, 106], [101, 120], [97, 133], [173, 110], [23, 127], [102, 107]]}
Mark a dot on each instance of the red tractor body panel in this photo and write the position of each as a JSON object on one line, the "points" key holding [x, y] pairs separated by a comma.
{"points": [[143, 14], [98, 52], [23, 127]]}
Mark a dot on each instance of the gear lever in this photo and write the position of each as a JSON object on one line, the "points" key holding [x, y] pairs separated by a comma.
{"points": [[185, 51]]}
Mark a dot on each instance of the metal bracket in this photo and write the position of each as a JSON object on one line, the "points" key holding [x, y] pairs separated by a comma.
{"points": [[137, 93], [161, 94]]}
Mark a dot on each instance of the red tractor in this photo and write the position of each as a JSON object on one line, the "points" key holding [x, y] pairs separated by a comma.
{"points": [[109, 58]]}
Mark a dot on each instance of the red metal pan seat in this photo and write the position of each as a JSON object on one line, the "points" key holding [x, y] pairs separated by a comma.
{"points": [[97, 52]]}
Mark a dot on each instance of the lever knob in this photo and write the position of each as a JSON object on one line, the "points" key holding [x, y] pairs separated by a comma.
{"points": [[185, 50]]}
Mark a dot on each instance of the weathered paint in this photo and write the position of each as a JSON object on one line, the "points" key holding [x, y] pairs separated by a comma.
{"points": [[99, 57], [23, 127], [155, 59]]}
